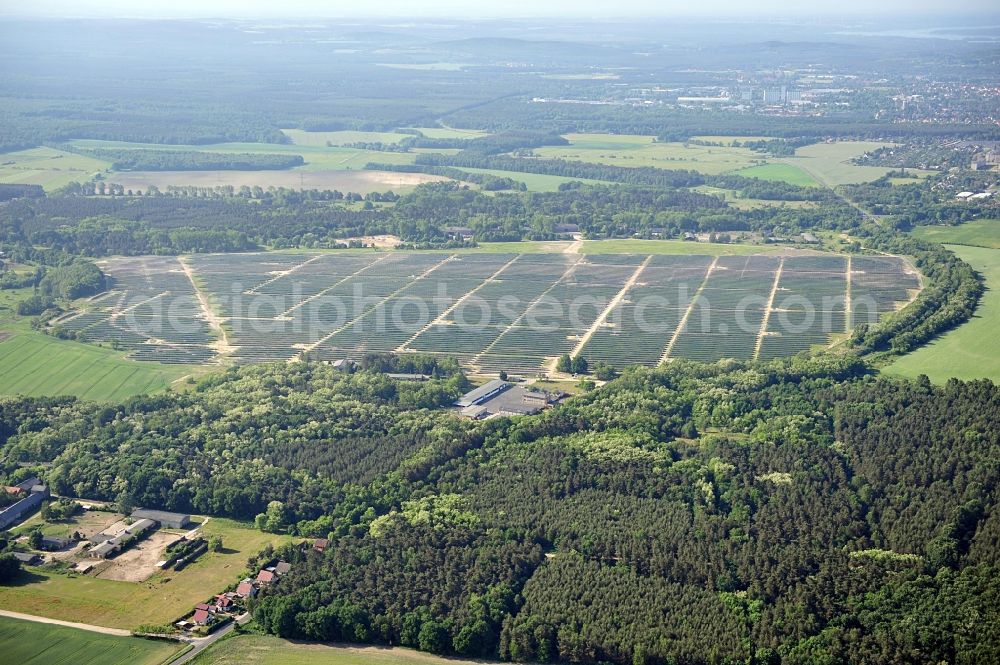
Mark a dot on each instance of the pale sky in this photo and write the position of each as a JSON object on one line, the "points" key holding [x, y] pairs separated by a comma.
{"points": [[477, 8]]}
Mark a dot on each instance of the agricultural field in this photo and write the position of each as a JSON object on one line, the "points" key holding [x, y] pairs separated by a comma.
{"points": [[491, 310], [30, 643], [789, 173], [358, 181], [268, 650], [969, 351], [634, 150], [450, 133], [48, 167], [157, 600], [339, 138], [734, 199], [978, 233], [325, 167], [32, 363], [830, 163], [535, 182]]}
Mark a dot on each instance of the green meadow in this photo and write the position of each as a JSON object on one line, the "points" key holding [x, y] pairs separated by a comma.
{"points": [[267, 650], [969, 351], [793, 175], [48, 167], [32, 363], [30, 643], [635, 150], [978, 233]]}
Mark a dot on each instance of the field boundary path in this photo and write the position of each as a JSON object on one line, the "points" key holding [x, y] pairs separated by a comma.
{"points": [[687, 313], [600, 320], [214, 321], [848, 316], [489, 347], [318, 343], [284, 273], [762, 333], [116, 632], [441, 317], [323, 292]]}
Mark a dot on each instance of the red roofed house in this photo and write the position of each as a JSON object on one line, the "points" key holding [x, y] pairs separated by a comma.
{"points": [[200, 617], [245, 589], [320, 545], [201, 606], [223, 601], [265, 576]]}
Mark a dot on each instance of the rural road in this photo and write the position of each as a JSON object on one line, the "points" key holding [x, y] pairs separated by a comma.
{"points": [[202, 643], [118, 632]]}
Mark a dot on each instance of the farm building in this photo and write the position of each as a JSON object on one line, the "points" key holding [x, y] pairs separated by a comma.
{"points": [[166, 519], [25, 506], [482, 393], [23, 486], [54, 543], [28, 558], [123, 539]]}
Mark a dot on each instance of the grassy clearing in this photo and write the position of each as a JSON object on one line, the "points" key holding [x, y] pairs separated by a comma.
{"points": [[535, 182], [267, 650], [733, 198], [793, 175], [830, 163], [635, 150], [729, 140], [979, 233], [30, 642], [450, 133], [162, 598], [32, 363], [325, 167], [48, 167], [344, 137], [969, 351]]}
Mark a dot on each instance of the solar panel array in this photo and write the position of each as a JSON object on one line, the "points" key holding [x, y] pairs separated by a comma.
{"points": [[516, 312]]}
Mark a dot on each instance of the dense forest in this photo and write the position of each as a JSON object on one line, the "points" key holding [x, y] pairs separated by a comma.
{"points": [[800, 510]]}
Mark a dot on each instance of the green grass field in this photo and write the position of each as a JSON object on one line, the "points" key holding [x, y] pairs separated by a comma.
{"points": [[830, 163], [635, 150], [267, 650], [32, 363], [535, 182], [793, 175], [733, 198], [343, 137], [30, 643], [35, 364], [969, 351], [450, 133], [48, 167], [978, 233], [162, 598]]}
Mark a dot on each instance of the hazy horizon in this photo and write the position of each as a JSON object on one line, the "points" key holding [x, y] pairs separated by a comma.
{"points": [[457, 9]]}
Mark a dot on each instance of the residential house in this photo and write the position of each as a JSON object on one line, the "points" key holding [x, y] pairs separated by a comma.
{"points": [[265, 576], [282, 567], [246, 589]]}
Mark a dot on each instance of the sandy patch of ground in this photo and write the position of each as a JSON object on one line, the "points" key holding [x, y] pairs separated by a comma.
{"points": [[382, 242], [138, 562], [361, 182]]}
